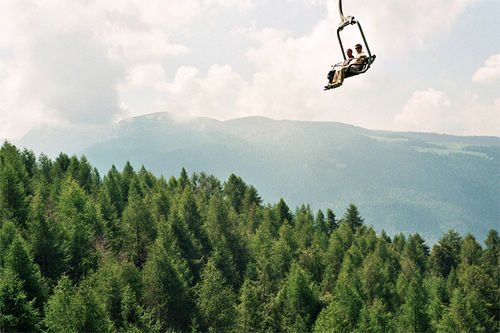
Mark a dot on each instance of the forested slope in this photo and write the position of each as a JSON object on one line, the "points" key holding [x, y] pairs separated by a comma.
{"points": [[134, 252], [402, 182]]}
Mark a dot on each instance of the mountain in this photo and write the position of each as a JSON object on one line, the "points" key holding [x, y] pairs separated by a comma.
{"points": [[401, 182]]}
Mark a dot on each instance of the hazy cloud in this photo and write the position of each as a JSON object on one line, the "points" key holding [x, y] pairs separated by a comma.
{"points": [[93, 61], [489, 72], [432, 111], [214, 95], [398, 27], [74, 77], [427, 110]]}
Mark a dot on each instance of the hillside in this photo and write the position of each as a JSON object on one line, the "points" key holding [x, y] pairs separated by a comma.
{"points": [[409, 182]]}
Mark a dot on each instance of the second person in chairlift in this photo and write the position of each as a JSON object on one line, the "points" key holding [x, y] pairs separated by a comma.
{"points": [[346, 62]]}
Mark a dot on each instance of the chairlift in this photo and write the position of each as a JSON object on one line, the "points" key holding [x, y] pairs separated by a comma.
{"points": [[351, 70]]}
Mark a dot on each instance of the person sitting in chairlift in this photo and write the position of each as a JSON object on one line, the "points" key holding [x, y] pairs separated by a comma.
{"points": [[356, 63], [346, 62]]}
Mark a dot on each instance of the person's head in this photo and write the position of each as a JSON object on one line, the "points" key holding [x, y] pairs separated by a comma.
{"points": [[358, 48], [349, 53]]}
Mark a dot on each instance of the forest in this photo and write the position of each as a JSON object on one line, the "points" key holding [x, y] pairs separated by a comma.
{"points": [[131, 251]]}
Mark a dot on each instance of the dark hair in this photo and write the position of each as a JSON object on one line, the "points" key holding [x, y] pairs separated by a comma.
{"points": [[348, 50], [358, 45]]}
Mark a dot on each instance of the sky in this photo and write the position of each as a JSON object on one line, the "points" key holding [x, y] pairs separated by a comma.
{"points": [[90, 63]]}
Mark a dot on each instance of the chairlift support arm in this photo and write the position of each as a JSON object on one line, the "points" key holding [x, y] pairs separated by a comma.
{"points": [[345, 21]]}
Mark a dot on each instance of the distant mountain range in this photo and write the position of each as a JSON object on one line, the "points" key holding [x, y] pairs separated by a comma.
{"points": [[401, 182]]}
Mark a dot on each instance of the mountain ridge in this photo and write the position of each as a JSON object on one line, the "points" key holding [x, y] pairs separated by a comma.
{"points": [[401, 181]]}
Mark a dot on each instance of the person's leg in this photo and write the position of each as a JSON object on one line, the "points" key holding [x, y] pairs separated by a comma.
{"points": [[336, 76], [330, 75], [341, 75]]}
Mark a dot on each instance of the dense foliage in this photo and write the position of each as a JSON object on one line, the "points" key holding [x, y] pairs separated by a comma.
{"points": [[133, 252]]}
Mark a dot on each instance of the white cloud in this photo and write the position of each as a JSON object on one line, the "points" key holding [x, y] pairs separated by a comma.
{"points": [[214, 95], [432, 111], [489, 72], [396, 27], [427, 110], [67, 59], [87, 61], [480, 119]]}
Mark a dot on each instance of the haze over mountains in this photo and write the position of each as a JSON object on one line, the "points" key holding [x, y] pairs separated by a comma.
{"points": [[401, 182]]}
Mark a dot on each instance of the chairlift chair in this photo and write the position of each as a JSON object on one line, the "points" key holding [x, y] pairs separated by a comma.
{"points": [[351, 70]]}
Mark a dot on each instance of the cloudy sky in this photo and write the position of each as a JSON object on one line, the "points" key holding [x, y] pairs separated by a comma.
{"points": [[85, 63]]}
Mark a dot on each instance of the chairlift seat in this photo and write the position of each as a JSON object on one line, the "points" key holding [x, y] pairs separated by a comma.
{"points": [[352, 71]]}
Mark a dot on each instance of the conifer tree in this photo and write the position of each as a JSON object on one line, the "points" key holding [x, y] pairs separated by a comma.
{"points": [[7, 234], [45, 234], [126, 178], [113, 187], [299, 300], [216, 300], [183, 180], [13, 205], [62, 162], [19, 262], [17, 312], [234, 189], [78, 225], [412, 316], [352, 218], [166, 294], [284, 212], [72, 309], [343, 311], [445, 254], [375, 317], [139, 228], [331, 222], [249, 309]]}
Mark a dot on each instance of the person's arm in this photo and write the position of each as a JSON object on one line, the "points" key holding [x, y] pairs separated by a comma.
{"points": [[360, 59]]}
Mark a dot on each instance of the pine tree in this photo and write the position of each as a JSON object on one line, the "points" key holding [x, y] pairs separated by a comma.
{"points": [[216, 300], [445, 254], [249, 314], [19, 262], [471, 251], [45, 234], [375, 318], [189, 212], [228, 247], [113, 187], [17, 312], [166, 294], [417, 251], [139, 228], [299, 300], [234, 189], [344, 310], [126, 178], [62, 162], [467, 313], [7, 234], [79, 236], [251, 198], [331, 222], [13, 205], [183, 180], [352, 218], [284, 212], [72, 309]]}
